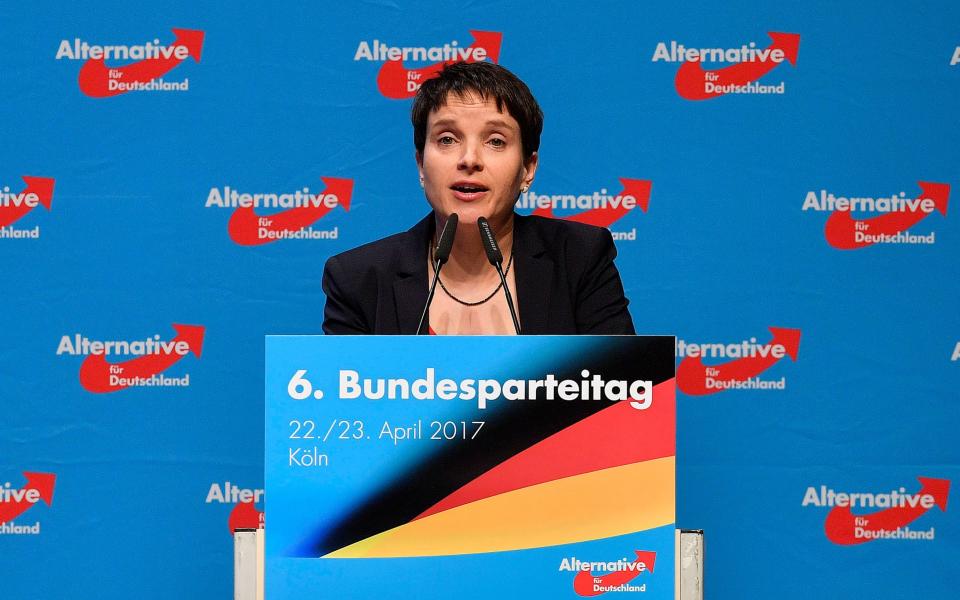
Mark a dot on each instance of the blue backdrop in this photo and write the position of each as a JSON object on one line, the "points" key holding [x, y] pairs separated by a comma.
{"points": [[734, 233]]}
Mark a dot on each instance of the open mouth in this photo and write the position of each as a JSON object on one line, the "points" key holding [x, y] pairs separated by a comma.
{"points": [[468, 188], [468, 192]]}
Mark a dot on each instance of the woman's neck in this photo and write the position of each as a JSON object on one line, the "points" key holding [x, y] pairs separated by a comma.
{"points": [[468, 261]]}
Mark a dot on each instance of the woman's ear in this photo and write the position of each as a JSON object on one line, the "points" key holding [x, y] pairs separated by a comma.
{"points": [[530, 169]]}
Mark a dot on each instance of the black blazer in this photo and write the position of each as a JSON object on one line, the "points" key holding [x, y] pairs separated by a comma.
{"points": [[564, 272]]}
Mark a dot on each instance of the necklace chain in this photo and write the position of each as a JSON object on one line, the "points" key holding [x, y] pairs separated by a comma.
{"points": [[464, 302]]}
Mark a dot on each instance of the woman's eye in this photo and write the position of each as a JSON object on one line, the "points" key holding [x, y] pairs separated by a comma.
{"points": [[497, 142], [445, 140]]}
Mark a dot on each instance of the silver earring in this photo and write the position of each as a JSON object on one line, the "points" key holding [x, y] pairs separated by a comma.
{"points": [[421, 182], [523, 190]]}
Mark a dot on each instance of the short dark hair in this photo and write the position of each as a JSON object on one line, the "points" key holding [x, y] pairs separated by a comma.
{"points": [[488, 80]]}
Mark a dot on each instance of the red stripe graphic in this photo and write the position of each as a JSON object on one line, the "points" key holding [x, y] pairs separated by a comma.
{"points": [[692, 373], [41, 186], [612, 435], [394, 77], [607, 216], [244, 226], [42, 482], [691, 78], [583, 583], [841, 523], [95, 74], [95, 371], [841, 228]]}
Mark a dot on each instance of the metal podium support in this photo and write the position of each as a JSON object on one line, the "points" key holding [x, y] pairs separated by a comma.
{"points": [[248, 564], [689, 564]]}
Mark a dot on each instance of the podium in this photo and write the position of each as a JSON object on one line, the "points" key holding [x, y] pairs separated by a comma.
{"points": [[470, 467], [248, 564]]}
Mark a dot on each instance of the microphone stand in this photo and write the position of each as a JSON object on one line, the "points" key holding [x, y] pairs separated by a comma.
{"points": [[496, 259], [433, 288], [440, 256]]}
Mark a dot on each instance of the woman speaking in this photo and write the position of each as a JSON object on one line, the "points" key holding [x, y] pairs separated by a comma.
{"points": [[476, 129]]}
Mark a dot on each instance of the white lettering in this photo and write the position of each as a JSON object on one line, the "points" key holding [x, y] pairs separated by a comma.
{"points": [[215, 494], [379, 51], [661, 53], [591, 387], [348, 385], [745, 53], [811, 497], [65, 50]]}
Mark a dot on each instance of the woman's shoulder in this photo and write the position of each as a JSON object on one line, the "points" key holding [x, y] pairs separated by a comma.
{"points": [[373, 253], [559, 234], [383, 254]]}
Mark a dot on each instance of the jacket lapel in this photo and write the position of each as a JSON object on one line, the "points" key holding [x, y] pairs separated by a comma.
{"points": [[410, 281], [534, 276]]}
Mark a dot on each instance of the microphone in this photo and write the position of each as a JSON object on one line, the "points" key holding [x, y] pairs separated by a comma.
{"points": [[496, 259], [440, 255]]}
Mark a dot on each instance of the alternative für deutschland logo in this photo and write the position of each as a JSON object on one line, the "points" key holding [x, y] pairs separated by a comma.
{"points": [[748, 65], [151, 62], [397, 81]]}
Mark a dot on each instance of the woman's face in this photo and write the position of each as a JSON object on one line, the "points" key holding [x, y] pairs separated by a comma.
{"points": [[472, 162]]}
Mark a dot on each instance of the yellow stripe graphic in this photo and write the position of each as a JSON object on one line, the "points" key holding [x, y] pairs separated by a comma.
{"points": [[589, 506]]}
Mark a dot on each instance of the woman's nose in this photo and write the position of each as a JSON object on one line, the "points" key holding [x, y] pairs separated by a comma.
{"points": [[470, 159]]}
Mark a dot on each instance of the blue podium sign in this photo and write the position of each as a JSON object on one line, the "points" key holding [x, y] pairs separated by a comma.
{"points": [[469, 467]]}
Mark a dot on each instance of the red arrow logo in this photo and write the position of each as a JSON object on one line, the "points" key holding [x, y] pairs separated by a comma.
{"points": [[95, 74], [841, 523], [395, 81], [245, 516], [18, 207], [585, 582], [608, 215], [96, 372], [692, 374], [691, 78], [245, 224], [17, 503], [841, 229]]}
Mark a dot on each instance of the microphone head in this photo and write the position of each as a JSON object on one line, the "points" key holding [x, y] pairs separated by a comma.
{"points": [[489, 242], [445, 243]]}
